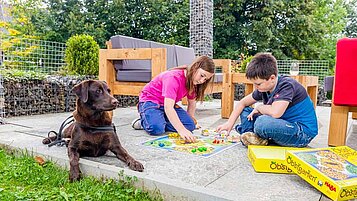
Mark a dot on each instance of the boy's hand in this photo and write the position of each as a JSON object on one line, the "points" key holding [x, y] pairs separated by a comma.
{"points": [[250, 116], [187, 136], [224, 127]]}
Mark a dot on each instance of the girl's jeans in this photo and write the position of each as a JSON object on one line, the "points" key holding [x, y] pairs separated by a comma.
{"points": [[155, 122], [278, 131]]}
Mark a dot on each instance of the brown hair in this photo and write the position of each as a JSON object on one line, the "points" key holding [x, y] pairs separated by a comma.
{"points": [[205, 63], [262, 66]]}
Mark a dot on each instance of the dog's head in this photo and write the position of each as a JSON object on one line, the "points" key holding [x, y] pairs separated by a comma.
{"points": [[96, 95]]}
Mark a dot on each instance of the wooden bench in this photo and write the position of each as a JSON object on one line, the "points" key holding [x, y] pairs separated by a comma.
{"points": [[310, 83], [158, 60]]}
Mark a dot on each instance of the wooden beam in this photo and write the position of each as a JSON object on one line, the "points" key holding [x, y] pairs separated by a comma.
{"points": [[124, 88], [132, 53]]}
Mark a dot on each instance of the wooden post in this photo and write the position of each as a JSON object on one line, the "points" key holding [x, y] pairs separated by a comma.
{"points": [[158, 61], [227, 98], [106, 70], [338, 125]]}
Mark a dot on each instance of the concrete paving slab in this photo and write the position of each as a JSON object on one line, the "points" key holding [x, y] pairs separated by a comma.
{"points": [[227, 175]]}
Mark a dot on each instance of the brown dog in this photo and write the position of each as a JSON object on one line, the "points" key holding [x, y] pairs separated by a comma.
{"points": [[92, 133]]}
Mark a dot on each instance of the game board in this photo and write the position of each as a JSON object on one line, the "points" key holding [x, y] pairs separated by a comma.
{"points": [[207, 144], [330, 164]]}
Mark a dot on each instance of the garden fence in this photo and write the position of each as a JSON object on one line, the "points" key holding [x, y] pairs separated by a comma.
{"points": [[306, 67], [53, 94], [32, 55]]}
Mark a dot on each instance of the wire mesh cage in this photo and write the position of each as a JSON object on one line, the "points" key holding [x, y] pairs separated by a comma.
{"points": [[34, 63], [32, 79], [32, 55], [201, 26], [304, 67]]}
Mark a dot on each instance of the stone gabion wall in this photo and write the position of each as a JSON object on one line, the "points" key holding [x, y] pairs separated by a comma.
{"points": [[127, 101], [52, 95], [201, 27]]}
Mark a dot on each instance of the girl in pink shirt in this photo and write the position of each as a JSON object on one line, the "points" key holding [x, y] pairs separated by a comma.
{"points": [[157, 101]]}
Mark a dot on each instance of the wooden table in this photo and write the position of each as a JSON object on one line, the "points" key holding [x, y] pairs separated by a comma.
{"points": [[310, 83]]}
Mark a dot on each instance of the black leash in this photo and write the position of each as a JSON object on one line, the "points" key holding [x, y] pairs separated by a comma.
{"points": [[60, 142]]}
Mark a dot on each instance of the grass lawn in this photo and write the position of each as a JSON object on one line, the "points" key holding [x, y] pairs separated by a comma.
{"points": [[22, 178]]}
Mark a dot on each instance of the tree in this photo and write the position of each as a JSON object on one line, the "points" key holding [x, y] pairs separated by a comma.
{"points": [[351, 28], [289, 29], [157, 20]]}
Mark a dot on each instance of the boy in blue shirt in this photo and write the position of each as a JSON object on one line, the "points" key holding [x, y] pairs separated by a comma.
{"points": [[287, 116]]}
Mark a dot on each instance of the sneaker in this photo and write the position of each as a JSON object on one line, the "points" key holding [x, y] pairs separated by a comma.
{"points": [[136, 124], [250, 138]]}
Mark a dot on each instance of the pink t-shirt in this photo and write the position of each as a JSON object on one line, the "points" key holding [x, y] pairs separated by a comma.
{"points": [[169, 84]]}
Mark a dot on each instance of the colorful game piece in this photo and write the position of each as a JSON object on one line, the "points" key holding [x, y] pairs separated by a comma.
{"points": [[161, 144], [193, 150], [205, 132], [174, 135]]}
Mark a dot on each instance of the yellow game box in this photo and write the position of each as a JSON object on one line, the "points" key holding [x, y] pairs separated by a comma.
{"points": [[332, 171], [269, 158]]}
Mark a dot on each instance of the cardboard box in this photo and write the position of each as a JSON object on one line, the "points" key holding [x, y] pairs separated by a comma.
{"points": [[269, 158], [332, 171]]}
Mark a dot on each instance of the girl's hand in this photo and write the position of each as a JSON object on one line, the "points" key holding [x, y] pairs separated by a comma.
{"points": [[187, 136], [250, 116]]}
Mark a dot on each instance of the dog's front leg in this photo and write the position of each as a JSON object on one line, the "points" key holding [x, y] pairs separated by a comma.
{"points": [[74, 171], [123, 155]]}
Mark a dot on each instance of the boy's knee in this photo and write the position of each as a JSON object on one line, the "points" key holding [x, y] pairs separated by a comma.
{"points": [[261, 123]]}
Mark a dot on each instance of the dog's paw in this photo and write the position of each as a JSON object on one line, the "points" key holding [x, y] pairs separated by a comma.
{"points": [[74, 177], [136, 165]]}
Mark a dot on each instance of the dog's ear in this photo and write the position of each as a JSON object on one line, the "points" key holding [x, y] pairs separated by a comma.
{"points": [[81, 90]]}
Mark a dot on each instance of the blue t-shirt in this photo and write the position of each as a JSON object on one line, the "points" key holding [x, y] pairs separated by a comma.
{"points": [[300, 109]]}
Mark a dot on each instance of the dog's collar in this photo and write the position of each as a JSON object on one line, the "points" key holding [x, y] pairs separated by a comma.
{"points": [[97, 128]]}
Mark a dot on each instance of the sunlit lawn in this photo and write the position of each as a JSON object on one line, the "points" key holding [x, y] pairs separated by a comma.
{"points": [[22, 178]]}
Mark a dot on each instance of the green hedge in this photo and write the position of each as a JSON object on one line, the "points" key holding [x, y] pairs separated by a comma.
{"points": [[82, 55]]}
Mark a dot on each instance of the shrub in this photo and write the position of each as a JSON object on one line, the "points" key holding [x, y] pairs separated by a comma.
{"points": [[81, 55], [245, 63]]}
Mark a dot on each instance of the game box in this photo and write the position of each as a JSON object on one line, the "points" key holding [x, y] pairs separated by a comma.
{"points": [[269, 158], [332, 170]]}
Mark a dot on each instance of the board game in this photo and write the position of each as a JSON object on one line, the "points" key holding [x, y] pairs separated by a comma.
{"points": [[207, 144], [332, 170]]}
